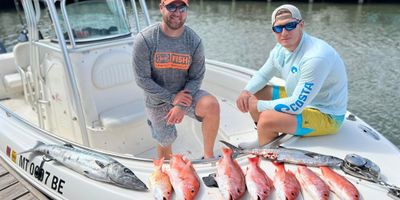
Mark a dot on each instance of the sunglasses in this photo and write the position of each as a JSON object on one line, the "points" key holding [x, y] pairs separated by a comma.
{"points": [[289, 26], [172, 8]]}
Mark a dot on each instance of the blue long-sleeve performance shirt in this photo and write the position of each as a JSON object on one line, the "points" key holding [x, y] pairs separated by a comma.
{"points": [[315, 77]]}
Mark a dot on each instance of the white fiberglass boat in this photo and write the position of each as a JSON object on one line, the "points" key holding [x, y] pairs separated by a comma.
{"points": [[78, 88]]}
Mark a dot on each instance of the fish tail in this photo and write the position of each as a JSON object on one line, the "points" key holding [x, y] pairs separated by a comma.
{"points": [[236, 150], [38, 143], [279, 166], [158, 163], [254, 160]]}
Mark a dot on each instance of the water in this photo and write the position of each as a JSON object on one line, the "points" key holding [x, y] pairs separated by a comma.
{"points": [[239, 32]]}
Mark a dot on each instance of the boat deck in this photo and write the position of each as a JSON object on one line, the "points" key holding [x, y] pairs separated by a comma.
{"points": [[14, 187]]}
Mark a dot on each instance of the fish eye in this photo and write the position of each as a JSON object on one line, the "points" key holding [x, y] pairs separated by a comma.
{"points": [[126, 170], [192, 191]]}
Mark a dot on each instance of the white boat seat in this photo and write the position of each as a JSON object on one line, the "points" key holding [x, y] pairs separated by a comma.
{"points": [[22, 59], [123, 115], [12, 81]]}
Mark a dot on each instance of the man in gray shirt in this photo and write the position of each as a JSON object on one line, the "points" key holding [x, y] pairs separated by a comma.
{"points": [[169, 65]]}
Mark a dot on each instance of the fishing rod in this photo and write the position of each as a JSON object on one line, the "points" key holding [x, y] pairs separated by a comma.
{"points": [[23, 35]]}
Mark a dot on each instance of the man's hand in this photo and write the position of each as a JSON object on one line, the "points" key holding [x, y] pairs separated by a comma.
{"points": [[182, 98], [175, 115], [242, 101]]}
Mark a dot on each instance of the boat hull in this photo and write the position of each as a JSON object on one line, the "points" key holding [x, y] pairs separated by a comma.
{"points": [[225, 81]]}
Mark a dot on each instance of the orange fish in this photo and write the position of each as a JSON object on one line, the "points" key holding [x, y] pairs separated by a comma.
{"points": [[312, 183], [339, 185], [258, 183], [230, 177], [286, 185], [159, 181], [183, 178]]}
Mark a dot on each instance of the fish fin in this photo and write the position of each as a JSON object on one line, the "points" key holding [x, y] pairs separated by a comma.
{"points": [[100, 164], [210, 181], [236, 150], [38, 143], [311, 154], [68, 145]]}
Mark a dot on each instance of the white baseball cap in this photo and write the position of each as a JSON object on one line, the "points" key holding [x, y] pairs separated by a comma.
{"points": [[291, 8]]}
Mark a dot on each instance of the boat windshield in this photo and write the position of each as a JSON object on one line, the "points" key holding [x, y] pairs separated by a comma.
{"points": [[96, 20]]}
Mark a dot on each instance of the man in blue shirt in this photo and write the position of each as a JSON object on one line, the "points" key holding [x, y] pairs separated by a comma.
{"points": [[314, 99]]}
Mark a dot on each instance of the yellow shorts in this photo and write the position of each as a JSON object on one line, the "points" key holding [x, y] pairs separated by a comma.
{"points": [[312, 122]]}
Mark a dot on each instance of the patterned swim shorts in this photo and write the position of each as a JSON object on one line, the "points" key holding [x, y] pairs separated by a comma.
{"points": [[312, 122], [163, 133]]}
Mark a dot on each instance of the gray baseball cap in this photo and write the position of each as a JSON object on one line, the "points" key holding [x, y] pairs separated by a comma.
{"points": [[291, 8]]}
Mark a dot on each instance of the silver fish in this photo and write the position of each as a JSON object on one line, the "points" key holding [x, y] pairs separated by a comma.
{"points": [[293, 156], [93, 165]]}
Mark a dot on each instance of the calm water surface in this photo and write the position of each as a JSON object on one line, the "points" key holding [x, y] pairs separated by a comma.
{"points": [[367, 37]]}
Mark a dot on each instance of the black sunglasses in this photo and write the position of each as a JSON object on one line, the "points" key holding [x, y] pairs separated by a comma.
{"points": [[172, 8], [289, 26]]}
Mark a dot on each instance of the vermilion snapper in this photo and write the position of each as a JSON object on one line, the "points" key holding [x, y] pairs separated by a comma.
{"points": [[286, 185], [340, 185], [312, 183], [183, 178], [258, 183], [159, 182], [230, 177]]}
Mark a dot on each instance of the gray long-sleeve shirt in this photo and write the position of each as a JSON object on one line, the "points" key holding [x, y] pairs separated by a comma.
{"points": [[164, 65]]}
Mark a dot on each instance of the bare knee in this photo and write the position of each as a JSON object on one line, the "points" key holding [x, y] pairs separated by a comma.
{"points": [[272, 121], [208, 105], [265, 119]]}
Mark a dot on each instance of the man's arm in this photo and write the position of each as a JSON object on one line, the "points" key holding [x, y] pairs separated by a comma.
{"points": [[314, 72], [142, 69], [256, 83]]}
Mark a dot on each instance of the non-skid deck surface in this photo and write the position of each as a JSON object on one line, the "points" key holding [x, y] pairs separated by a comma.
{"points": [[14, 187], [20, 107]]}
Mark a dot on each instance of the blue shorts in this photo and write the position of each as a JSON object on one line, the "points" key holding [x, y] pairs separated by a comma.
{"points": [[163, 133], [312, 122]]}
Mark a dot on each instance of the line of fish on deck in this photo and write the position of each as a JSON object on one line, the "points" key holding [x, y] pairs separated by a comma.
{"points": [[233, 181], [230, 178], [287, 185]]}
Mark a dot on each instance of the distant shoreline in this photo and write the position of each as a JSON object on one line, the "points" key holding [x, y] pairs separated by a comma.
{"points": [[9, 4]]}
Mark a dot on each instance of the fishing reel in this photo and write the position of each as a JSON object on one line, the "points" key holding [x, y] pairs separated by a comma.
{"points": [[365, 169]]}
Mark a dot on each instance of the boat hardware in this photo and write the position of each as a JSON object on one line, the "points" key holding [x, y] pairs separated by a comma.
{"points": [[367, 130], [360, 167], [39, 172], [210, 181], [394, 193], [365, 169], [351, 117]]}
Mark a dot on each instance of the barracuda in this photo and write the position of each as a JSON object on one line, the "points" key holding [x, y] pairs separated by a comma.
{"points": [[93, 165], [293, 156]]}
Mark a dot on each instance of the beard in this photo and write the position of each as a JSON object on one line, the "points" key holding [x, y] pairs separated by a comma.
{"points": [[173, 23]]}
